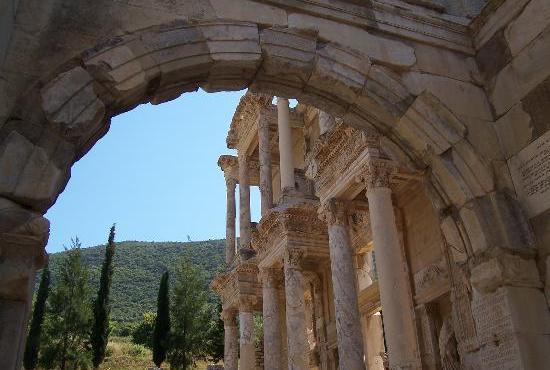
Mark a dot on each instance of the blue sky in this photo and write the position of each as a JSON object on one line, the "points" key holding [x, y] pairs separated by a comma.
{"points": [[154, 174]]}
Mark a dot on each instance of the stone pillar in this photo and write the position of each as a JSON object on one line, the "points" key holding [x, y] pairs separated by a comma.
{"points": [[231, 340], [246, 340], [286, 164], [348, 319], [244, 202], [392, 271], [266, 185], [23, 236], [295, 311], [429, 325], [230, 221], [271, 282], [374, 344], [510, 312]]}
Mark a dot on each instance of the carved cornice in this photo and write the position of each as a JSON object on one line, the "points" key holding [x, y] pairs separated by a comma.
{"points": [[247, 267], [229, 164], [300, 220], [431, 282], [335, 151]]}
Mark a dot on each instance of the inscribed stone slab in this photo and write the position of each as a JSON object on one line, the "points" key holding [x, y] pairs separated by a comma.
{"points": [[530, 170]]}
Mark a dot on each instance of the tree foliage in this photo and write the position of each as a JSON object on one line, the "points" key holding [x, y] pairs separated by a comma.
{"points": [[68, 316], [215, 334], [102, 306], [32, 346], [190, 318], [161, 332], [143, 332]]}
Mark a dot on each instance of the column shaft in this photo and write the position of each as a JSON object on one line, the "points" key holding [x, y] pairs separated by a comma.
{"points": [[230, 232], [231, 342], [266, 186], [272, 324], [248, 352], [295, 312], [286, 164], [244, 202], [393, 280], [348, 319]]}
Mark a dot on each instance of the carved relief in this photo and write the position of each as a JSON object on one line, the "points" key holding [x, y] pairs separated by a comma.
{"points": [[333, 212], [293, 258]]}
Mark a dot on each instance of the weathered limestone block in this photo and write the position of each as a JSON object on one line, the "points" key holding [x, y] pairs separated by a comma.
{"points": [[534, 18], [534, 104], [28, 173], [125, 66], [547, 281], [476, 174], [514, 130], [460, 97], [235, 51], [493, 56], [70, 102], [449, 178], [338, 77], [512, 333], [502, 16], [428, 124], [528, 69], [250, 11], [454, 240], [482, 135], [496, 220], [443, 62], [288, 61], [378, 48]]}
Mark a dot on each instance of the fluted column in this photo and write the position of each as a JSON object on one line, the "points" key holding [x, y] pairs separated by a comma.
{"points": [[391, 265], [230, 221], [244, 202], [231, 340], [246, 340], [286, 164], [348, 319], [271, 283], [295, 311], [266, 186]]}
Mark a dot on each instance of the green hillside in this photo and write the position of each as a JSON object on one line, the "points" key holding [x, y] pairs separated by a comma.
{"points": [[138, 267]]}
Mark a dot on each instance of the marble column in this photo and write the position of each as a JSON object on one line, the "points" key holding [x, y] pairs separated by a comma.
{"points": [[297, 344], [266, 185], [21, 256], [393, 280], [231, 340], [244, 202], [348, 319], [246, 339], [271, 283], [286, 164], [230, 221]]}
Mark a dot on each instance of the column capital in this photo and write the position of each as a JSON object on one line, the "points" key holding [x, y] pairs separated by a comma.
{"points": [[230, 182], [334, 212], [247, 303], [229, 317], [293, 257], [271, 277], [377, 173]]}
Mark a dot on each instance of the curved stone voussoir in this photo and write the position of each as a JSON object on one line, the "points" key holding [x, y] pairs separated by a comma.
{"points": [[71, 104], [29, 175], [235, 51], [495, 222], [17, 220], [288, 58], [338, 77], [124, 67], [448, 176]]}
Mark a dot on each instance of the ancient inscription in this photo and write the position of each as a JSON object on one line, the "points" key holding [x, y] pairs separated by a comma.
{"points": [[530, 170]]}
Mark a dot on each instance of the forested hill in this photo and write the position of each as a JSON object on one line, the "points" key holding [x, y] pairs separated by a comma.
{"points": [[138, 267]]}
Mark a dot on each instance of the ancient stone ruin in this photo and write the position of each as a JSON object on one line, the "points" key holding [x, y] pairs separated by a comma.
{"points": [[405, 199]]}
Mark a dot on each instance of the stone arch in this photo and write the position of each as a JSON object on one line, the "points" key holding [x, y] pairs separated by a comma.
{"points": [[60, 118]]}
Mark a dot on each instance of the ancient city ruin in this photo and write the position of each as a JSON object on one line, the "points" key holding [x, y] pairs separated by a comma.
{"points": [[405, 200]]}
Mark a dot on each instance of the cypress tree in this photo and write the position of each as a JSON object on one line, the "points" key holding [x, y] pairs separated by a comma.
{"points": [[102, 306], [32, 346], [162, 323]]}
